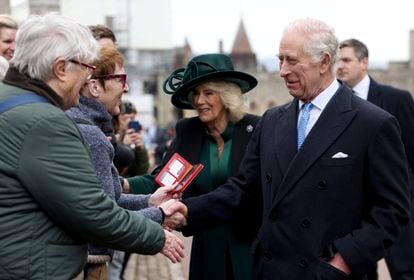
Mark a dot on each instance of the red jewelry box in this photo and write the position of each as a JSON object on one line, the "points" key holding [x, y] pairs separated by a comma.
{"points": [[178, 171]]}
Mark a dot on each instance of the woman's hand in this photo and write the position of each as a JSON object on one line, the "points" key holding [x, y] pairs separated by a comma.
{"points": [[161, 195], [133, 138]]}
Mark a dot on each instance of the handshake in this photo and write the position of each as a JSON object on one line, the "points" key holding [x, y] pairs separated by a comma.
{"points": [[175, 216]]}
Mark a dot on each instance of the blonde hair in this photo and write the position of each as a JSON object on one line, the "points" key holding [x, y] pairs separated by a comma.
{"points": [[8, 22], [231, 96]]}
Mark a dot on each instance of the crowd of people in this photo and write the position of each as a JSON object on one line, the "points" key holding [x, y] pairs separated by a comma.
{"points": [[319, 188]]}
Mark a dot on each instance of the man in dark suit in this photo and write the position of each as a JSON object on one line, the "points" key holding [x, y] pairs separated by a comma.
{"points": [[328, 170], [352, 70]]}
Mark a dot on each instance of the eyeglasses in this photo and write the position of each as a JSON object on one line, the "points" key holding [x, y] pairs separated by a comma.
{"points": [[91, 69], [122, 78]]}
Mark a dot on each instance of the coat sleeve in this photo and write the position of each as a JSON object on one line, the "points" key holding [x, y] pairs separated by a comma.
{"points": [[55, 168], [405, 117]]}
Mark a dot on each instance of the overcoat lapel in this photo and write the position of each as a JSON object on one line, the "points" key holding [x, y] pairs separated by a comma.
{"points": [[286, 135], [337, 115], [241, 138], [374, 93]]}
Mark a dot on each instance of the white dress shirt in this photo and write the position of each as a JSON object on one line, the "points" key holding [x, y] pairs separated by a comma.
{"points": [[319, 104], [361, 89]]}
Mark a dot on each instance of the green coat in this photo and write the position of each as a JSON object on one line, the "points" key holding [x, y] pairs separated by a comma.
{"points": [[216, 250], [50, 201]]}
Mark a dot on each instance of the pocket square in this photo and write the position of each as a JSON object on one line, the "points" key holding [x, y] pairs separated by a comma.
{"points": [[340, 155]]}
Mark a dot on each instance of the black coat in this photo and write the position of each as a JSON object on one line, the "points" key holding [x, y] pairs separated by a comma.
{"points": [[235, 238], [399, 103], [313, 198]]}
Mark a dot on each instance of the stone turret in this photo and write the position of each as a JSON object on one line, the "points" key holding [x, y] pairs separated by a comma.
{"points": [[242, 55]]}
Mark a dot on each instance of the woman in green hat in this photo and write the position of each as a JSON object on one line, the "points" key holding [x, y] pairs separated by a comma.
{"points": [[217, 138]]}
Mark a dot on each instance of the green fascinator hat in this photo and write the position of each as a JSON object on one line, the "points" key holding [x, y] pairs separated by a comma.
{"points": [[201, 69]]}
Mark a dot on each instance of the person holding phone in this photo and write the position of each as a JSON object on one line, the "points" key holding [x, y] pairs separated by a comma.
{"points": [[130, 134]]}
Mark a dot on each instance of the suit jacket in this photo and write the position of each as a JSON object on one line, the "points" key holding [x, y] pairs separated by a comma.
{"points": [[233, 239], [313, 199], [399, 103]]}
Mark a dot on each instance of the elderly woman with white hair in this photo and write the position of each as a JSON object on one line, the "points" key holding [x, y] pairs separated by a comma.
{"points": [[217, 138], [51, 203]]}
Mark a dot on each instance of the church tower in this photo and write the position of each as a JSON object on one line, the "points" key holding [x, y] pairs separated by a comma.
{"points": [[242, 55]]}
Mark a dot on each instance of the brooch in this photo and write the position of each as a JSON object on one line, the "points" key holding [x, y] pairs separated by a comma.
{"points": [[249, 128]]}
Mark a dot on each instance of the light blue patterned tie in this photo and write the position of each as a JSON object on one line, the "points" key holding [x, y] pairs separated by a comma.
{"points": [[303, 123]]}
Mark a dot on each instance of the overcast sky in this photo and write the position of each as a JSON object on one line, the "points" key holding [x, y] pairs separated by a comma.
{"points": [[383, 25]]}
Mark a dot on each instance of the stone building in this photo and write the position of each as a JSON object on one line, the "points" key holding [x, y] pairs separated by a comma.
{"points": [[271, 90], [151, 55]]}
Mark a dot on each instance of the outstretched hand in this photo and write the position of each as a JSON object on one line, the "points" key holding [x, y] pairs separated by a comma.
{"points": [[177, 206], [174, 219], [161, 195], [173, 247]]}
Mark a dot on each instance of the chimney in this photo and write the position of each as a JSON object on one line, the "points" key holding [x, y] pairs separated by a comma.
{"points": [[221, 46]]}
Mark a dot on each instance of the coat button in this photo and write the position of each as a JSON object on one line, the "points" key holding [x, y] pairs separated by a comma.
{"points": [[303, 263], [268, 178], [306, 223], [322, 184], [268, 256]]}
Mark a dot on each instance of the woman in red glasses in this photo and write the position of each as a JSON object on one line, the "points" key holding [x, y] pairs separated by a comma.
{"points": [[100, 100]]}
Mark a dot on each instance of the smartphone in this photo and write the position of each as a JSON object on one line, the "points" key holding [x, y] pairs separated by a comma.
{"points": [[135, 125]]}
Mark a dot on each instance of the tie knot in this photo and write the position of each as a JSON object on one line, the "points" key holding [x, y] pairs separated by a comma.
{"points": [[307, 107]]}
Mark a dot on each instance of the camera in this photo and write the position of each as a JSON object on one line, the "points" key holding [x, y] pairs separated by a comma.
{"points": [[127, 108]]}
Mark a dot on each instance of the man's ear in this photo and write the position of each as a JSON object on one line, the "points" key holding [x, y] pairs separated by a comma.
{"points": [[365, 63], [59, 69], [325, 63], [93, 87]]}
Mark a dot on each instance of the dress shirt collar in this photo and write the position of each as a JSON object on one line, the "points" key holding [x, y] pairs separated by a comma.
{"points": [[361, 89], [322, 99]]}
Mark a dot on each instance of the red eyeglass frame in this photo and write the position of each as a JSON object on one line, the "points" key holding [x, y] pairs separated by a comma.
{"points": [[123, 78]]}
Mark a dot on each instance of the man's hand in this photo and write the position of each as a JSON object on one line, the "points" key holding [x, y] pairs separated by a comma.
{"points": [[339, 263], [173, 247], [161, 195], [176, 215], [178, 206], [174, 219]]}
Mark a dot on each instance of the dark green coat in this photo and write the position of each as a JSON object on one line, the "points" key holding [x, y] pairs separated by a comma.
{"points": [[50, 201], [209, 247]]}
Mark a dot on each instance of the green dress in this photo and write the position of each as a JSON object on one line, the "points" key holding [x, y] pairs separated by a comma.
{"points": [[213, 251]]}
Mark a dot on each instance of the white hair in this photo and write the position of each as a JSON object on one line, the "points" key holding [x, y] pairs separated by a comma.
{"points": [[320, 38], [41, 40]]}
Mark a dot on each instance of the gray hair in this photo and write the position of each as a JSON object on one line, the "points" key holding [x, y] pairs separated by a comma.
{"points": [[8, 22], [41, 40], [231, 96], [320, 38], [360, 49]]}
